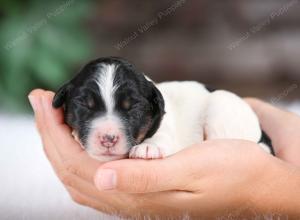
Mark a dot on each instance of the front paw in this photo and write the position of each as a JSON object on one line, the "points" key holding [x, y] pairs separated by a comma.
{"points": [[146, 151]]}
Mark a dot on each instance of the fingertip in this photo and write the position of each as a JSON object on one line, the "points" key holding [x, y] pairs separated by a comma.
{"points": [[254, 102], [250, 99], [56, 114], [265, 109], [36, 93], [34, 98], [47, 98], [260, 107], [49, 94]]}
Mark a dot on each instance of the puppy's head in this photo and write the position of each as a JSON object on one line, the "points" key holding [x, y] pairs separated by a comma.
{"points": [[111, 107]]}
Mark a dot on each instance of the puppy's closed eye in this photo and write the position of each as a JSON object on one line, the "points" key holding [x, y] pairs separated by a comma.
{"points": [[88, 102], [126, 104]]}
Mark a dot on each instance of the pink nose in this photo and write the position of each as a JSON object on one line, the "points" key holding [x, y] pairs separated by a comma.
{"points": [[108, 140]]}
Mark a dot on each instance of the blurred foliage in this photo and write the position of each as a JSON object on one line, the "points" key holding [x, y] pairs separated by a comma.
{"points": [[41, 43]]}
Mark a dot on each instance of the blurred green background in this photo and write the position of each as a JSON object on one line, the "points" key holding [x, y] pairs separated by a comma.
{"points": [[42, 41], [249, 47]]}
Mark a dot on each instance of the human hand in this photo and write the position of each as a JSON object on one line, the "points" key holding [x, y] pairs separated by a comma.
{"points": [[76, 169], [282, 127], [203, 180], [71, 163]]}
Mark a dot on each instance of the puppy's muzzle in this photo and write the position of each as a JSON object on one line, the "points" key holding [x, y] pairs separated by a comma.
{"points": [[108, 140]]}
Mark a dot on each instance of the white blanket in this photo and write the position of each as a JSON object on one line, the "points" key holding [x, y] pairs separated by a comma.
{"points": [[29, 189]]}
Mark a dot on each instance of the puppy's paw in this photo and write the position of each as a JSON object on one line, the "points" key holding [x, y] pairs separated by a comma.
{"points": [[146, 151]]}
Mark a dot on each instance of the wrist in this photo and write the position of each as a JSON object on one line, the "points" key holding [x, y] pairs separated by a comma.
{"points": [[277, 189]]}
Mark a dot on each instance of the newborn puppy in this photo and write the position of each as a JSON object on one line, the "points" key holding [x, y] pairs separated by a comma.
{"points": [[116, 111]]}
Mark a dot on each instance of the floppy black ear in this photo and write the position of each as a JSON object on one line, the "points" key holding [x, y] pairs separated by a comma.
{"points": [[60, 96], [157, 107]]}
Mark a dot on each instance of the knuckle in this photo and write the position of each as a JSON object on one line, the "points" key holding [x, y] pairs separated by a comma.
{"points": [[39, 127], [67, 179], [147, 180], [77, 198], [145, 186], [70, 168]]}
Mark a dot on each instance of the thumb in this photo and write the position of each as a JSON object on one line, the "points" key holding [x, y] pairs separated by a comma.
{"points": [[140, 176]]}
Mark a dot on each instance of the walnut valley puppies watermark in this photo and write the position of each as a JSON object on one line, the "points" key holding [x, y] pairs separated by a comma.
{"points": [[150, 24], [60, 9], [24, 34], [284, 93], [262, 25], [31, 29]]}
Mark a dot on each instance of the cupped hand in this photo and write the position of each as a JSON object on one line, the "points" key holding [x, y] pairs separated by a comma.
{"points": [[213, 179], [71, 163]]}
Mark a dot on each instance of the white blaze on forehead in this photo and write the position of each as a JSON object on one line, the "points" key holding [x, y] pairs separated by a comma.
{"points": [[105, 81]]}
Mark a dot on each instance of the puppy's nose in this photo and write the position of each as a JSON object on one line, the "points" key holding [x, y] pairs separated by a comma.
{"points": [[110, 137], [109, 140]]}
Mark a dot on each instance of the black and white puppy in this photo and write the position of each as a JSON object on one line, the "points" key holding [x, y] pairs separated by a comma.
{"points": [[116, 111]]}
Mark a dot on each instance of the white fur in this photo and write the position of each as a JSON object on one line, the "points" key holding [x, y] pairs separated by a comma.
{"points": [[228, 116], [193, 113], [108, 124], [106, 85]]}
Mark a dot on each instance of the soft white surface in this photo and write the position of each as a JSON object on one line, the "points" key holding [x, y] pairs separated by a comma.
{"points": [[29, 187]]}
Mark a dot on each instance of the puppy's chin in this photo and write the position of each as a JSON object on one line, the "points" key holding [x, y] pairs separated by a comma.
{"points": [[105, 158]]}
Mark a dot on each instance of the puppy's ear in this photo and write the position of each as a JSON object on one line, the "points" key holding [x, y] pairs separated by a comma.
{"points": [[157, 107], [60, 96]]}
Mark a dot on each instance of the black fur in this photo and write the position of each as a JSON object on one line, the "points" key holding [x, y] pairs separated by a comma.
{"points": [[82, 100], [266, 140], [210, 88]]}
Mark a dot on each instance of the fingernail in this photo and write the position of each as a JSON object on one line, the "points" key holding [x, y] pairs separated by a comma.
{"points": [[33, 102], [106, 179]]}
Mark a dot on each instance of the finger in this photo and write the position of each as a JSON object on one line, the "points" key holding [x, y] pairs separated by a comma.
{"points": [[119, 199], [142, 176], [89, 190], [274, 120], [85, 200], [57, 141], [271, 118], [73, 158], [57, 128], [165, 203], [35, 98], [86, 194], [282, 127]]}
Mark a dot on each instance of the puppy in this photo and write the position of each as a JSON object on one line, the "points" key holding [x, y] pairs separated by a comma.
{"points": [[116, 111]]}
